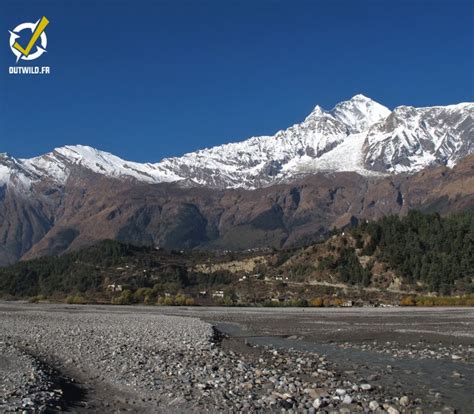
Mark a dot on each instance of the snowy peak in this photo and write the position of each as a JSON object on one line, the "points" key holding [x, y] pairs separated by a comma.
{"points": [[317, 112], [358, 135], [359, 113]]}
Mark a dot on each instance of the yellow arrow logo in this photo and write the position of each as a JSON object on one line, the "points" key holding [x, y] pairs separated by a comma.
{"points": [[36, 34]]}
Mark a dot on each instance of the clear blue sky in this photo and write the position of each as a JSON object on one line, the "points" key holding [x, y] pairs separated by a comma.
{"points": [[150, 79]]}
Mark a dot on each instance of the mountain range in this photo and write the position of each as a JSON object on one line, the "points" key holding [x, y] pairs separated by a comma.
{"points": [[359, 160], [356, 135]]}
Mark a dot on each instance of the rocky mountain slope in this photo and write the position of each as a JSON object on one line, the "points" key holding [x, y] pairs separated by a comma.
{"points": [[93, 207], [357, 161], [357, 135]]}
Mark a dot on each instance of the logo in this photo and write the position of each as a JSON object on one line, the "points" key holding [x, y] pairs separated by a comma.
{"points": [[28, 41]]}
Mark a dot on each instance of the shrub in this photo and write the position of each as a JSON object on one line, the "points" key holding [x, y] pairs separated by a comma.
{"points": [[317, 302], [226, 301], [408, 301], [190, 302], [141, 294], [37, 298], [178, 300], [76, 300], [149, 300], [125, 298], [165, 301]]}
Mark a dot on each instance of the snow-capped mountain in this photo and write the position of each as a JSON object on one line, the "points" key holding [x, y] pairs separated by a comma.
{"points": [[356, 135], [359, 113], [412, 138]]}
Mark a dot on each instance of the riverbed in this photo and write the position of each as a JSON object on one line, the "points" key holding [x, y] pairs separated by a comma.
{"points": [[196, 359]]}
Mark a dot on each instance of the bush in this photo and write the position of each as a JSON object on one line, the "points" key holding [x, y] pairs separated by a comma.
{"points": [[332, 302], [190, 302], [37, 298], [317, 302], [178, 300], [125, 298], [294, 303], [141, 294], [408, 301], [165, 301], [149, 300], [76, 300]]}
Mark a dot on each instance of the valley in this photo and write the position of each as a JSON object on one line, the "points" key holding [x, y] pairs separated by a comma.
{"points": [[237, 207]]}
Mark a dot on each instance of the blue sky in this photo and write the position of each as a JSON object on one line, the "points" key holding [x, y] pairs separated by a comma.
{"points": [[150, 79]]}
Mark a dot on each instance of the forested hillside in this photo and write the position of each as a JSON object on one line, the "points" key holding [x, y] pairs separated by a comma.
{"points": [[380, 260], [439, 252]]}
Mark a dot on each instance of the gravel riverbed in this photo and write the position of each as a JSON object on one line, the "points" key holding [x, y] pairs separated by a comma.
{"points": [[147, 362], [419, 350], [25, 384]]}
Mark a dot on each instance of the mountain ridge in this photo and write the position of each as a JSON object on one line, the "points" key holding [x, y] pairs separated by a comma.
{"points": [[357, 135]]}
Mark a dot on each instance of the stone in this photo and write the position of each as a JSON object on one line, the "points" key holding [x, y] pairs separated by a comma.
{"points": [[318, 393], [318, 402], [404, 401], [366, 387], [373, 405], [27, 402], [347, 399]]}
